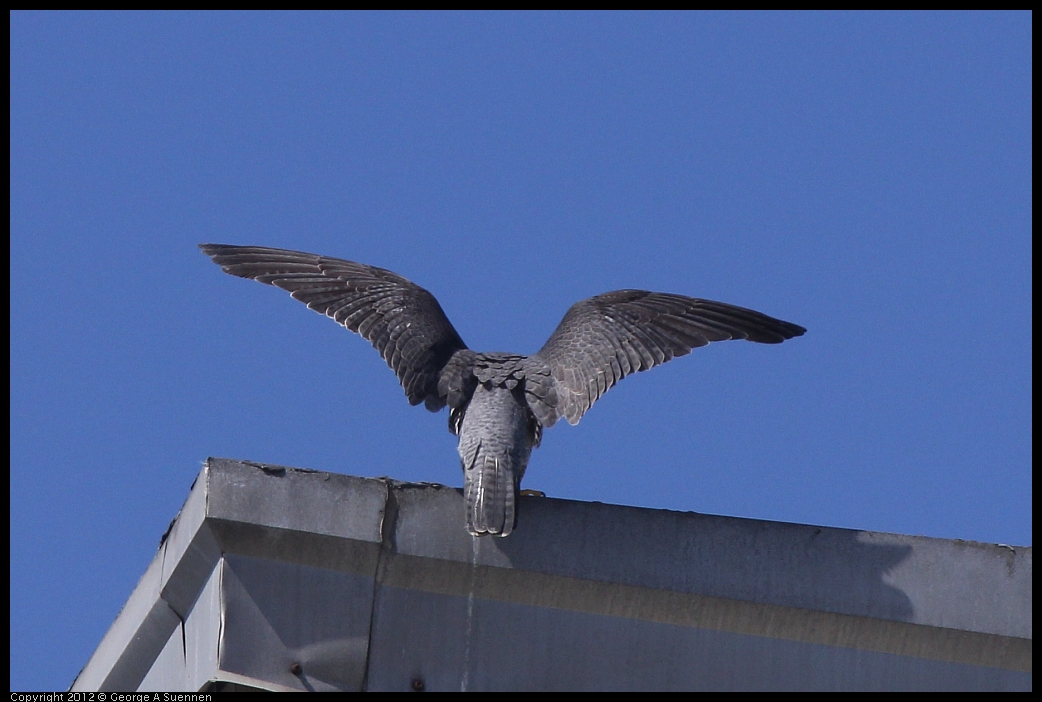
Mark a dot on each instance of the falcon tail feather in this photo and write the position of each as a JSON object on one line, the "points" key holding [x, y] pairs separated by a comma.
{"points": [[490, 493]]}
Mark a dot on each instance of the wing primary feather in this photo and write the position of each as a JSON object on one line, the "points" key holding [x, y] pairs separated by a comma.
{"points": [[604, 338], [403, 321]]}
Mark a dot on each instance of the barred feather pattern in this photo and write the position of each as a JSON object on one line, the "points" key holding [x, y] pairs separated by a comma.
{"points": [[604, 338], [496, 437], [403, 321]]}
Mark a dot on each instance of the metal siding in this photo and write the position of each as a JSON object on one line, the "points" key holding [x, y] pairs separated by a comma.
{"points": [[372, 584]]}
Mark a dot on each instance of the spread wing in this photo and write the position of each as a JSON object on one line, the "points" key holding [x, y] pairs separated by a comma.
{"points": [[603, 339], [403, 321]]}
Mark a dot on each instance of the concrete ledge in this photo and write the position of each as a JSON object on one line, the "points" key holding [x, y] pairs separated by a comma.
{"points": [[287, 579]]}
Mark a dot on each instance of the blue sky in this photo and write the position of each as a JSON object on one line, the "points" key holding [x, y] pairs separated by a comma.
{"points": [[867, 176]]}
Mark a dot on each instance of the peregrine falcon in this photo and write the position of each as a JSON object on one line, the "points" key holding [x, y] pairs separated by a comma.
{"points": [[499, 403]]}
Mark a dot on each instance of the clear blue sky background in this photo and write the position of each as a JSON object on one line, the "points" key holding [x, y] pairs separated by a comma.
{"points": [[867, 176]]}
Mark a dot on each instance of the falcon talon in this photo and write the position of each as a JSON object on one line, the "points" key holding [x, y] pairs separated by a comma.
{"points": [[499, 403]]}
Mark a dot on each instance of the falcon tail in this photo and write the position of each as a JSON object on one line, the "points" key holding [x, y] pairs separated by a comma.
{"points": [[490, 491]]}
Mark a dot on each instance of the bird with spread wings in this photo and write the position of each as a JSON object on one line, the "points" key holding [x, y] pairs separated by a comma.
{"points": [[499, 403]]}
